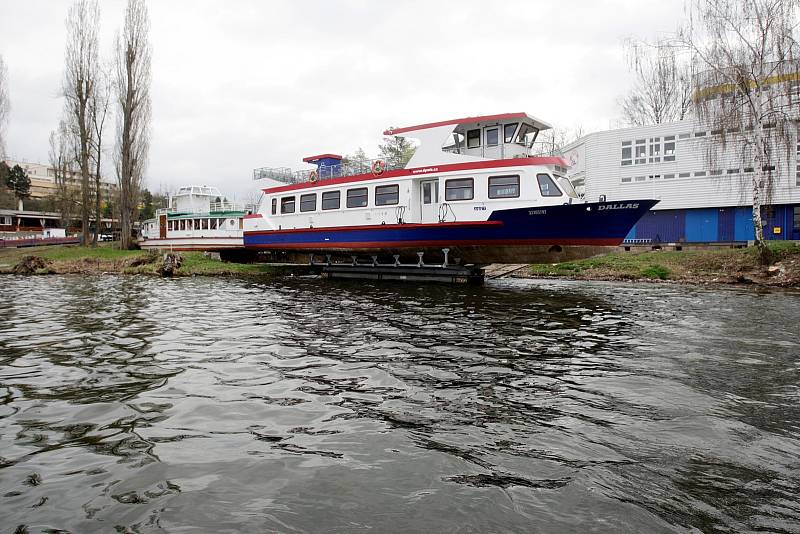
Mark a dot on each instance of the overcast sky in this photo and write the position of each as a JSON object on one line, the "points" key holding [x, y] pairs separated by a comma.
{"points": [[250, 83]]}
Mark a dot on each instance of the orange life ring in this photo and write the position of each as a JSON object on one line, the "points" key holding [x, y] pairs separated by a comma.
{"points": [[313, 175], [378, 166]]}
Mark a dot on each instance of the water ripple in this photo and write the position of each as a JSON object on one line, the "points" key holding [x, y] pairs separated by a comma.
{"points": [[152, 405]]}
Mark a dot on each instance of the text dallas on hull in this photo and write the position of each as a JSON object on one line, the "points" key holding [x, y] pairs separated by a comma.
{"points": [[472, 186]]}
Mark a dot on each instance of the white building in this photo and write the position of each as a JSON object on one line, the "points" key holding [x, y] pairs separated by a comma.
{"points": [[702, 199]]}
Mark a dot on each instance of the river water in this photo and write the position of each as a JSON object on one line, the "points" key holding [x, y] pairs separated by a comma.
{"points": [[213, 405]]}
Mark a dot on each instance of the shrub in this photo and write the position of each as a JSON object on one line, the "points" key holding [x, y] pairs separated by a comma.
{"points": [[656, 271]]}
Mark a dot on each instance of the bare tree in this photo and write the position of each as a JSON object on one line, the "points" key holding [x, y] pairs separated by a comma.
{"points": [[551, 141], [5, 105], [98, 108], [132, 84], [80, 79], [61, 159], [662, 87], [745, 55]]}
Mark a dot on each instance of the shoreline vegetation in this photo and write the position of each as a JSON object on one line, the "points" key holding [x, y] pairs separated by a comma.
{"points": [[692, 266]]}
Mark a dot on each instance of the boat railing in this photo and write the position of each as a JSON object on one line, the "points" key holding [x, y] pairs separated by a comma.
{"points": [[539, 148], [329, 172], [226, 205], [165, 211]]}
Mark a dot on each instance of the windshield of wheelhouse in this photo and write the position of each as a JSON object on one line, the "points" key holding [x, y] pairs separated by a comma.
{"points": [[566, 186]]}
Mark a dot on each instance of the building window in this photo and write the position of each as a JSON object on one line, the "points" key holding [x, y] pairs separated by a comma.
{"points": [[274, 206], [699, 174], [684, 175], [716, 172], [627, 153], [669, 176], [797, 160], [640, 178], [768, 168], [473, 138], [684, 136], [357, 198], [287, 205], [387, 195], [733, 171], [492, 136], [699, 134], [459, 189], [308, 202], [655, 150], [504, 186], [641, 151], [331, 200], [626, 180], [547, 186], [508, 132], [748, 169], [669, 148]]}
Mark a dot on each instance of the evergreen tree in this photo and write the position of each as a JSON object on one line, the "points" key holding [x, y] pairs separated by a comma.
{"points": [[17, 180], [396, 151]]}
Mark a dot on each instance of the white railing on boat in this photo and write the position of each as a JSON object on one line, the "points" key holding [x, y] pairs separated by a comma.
{"points": [[226, 205], [327, 172], [165, 211]]}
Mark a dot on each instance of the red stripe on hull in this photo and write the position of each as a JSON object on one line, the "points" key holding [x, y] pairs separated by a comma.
{"points": [[611, 242], [377, 227]]}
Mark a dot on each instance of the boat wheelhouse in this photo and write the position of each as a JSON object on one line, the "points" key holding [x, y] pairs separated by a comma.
{"points": [[472, 186], [197, 218]]}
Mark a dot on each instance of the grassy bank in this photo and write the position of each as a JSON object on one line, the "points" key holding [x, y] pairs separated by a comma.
{"points": [[694, 266], [70, 259], [724, 266]]}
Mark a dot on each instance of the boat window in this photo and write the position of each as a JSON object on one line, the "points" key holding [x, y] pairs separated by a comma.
{"points": [[274, 206], [492, 136], [330, 200], [357, 198], [508, 132], [504, 186], [308, 202], [287, 205], [182, 224], [213, 225], [473, 138], [459, 189], [524, 131], [547, 186], [386, 195], [566, 186]]}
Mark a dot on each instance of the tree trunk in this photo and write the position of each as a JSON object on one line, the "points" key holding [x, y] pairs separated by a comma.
{"points": [[84, 163]]}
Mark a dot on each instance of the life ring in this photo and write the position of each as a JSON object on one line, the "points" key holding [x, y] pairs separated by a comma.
{"points": [[313, 175], [378, 166]]}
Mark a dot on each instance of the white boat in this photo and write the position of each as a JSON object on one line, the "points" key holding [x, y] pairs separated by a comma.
{"points": [[472, 187], [198, 218]]}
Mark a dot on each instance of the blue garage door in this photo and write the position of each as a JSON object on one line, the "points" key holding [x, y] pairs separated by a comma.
{"points": [[701, 225], [744, 225]]}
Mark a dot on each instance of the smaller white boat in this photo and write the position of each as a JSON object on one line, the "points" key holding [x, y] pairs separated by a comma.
{"points": [[198, 218]]}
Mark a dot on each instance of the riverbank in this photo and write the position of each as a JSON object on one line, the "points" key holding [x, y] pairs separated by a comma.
{"points": [[718, 266], [715, 266], [105, 259]]}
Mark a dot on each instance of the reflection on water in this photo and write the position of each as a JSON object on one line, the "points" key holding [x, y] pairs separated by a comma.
{"points": [[304, 406]]}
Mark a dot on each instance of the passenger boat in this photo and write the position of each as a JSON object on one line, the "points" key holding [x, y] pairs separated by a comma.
{"points": [[197, 218], [471, 187]]}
